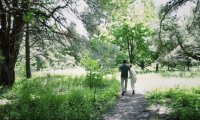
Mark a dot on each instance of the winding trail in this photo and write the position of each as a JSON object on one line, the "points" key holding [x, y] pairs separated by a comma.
{"points": [[134, 107]]}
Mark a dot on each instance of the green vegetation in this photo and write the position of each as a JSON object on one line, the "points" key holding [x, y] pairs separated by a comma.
{"points": [[193, 73], [184, 104], [131, 40], [59, 97], [43, 36], [185, 74]]}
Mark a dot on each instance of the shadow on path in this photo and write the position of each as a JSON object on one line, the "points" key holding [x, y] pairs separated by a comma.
{"points": [[134, 107], [129, 107]]}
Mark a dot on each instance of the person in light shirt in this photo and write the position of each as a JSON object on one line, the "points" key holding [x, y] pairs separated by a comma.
{"points": [[133, 78]]}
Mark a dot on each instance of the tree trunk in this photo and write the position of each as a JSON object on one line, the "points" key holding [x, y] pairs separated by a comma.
{"points": [[157, 67], [7, 77], [188, 68], [11, 34], [142, 64], [27, 52], [7, 73], [9, 53], [188, 63], [131, 61], [39, 63]]}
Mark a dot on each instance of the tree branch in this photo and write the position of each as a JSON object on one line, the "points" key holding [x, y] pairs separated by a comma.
{"points": [[168, 10]]}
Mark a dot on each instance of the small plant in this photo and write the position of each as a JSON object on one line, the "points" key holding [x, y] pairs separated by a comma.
{"points": [[94, 79]]}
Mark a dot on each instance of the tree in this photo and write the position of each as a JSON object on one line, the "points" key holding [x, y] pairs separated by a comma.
{"points": [[50, 15], [27, 52], [103, 51], [192, 28], [11, 34], [51, 50], [132, 41], [126, 18]]}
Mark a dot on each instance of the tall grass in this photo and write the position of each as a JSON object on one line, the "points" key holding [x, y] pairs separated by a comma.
{"points": [[183, 103], [58, 98]]}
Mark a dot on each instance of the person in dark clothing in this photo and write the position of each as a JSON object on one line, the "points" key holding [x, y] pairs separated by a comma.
{"points": [[124, 68]]}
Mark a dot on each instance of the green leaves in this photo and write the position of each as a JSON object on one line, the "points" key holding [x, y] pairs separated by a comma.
{"points": [[131, 40], [28, 17], [33, 14], [89, 63]]}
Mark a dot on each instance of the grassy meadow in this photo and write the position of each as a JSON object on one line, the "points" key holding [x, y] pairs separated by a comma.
{"points": [[59, 97]]}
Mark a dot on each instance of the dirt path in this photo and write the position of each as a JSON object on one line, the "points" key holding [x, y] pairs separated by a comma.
{"points": [[129, 107], [134, 107]]}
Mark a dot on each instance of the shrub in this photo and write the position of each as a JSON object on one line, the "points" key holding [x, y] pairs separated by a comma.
{"points": [[184, 103], [94, 79]]}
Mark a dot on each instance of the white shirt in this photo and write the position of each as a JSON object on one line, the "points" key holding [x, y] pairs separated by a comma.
{"points": [[132, 74]]}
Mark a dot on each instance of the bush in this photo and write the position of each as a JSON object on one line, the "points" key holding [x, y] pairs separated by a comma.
{"points": [[184, 103], [58, 97], [94, 79]]}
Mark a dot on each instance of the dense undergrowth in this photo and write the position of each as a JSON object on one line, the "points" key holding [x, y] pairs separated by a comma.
{"points": [[59, 98], [184, 104]]}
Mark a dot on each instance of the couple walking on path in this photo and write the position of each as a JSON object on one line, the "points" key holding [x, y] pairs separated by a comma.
{"points": [[125, 68]]}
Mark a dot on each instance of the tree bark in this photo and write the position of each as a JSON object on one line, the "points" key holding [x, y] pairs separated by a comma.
{"points": [[38, 63], [27, 52], [157, 67], [168, 66], [188, 63], [11, 34], [142, 64], [130, 48], [10, 53], [7, 77]]}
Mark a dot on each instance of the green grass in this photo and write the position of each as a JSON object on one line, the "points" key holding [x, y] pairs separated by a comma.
{"points": [[185, 74], [58, 98], [194, 72], [183, 103]]}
